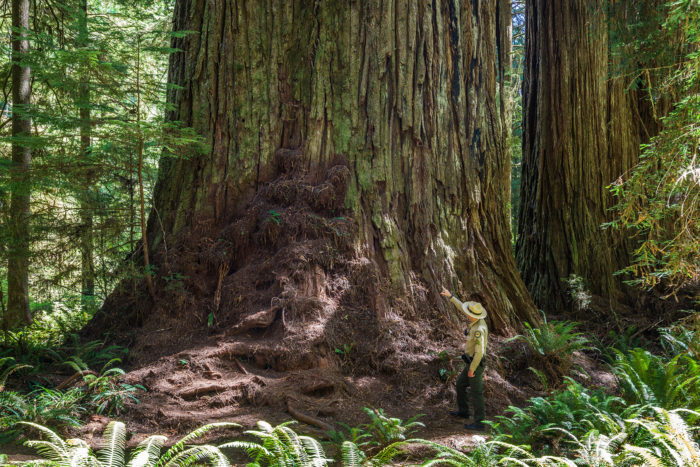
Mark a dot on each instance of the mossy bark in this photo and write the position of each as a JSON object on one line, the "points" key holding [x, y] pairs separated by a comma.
{"points": [[404, 92], [581, 131]]}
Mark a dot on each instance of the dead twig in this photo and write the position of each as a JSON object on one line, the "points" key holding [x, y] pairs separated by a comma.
{"points": [[77, 375]]}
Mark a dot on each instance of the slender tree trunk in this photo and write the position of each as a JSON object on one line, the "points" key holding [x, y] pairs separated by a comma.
{"points": [[18, 252], [404, 91], [86, 203], [579, 136], [142, 203]]}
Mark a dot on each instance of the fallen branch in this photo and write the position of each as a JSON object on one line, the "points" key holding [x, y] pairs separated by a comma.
{"points": [[77, 375], [308, 419]]}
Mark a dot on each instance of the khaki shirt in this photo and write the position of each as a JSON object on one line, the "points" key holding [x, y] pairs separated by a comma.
{"points": [[475, 346]]}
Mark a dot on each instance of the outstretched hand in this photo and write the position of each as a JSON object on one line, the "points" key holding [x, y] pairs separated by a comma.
{"points": [[445, 292]]}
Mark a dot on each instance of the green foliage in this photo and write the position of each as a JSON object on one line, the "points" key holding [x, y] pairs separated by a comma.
{"points": [[648, 379], [661, 439], [659, 199], [574, 408], [104, 392], [112, 452], [357, 435], [281, 446], [674, 443], [98, 98], [682, 339], [552, 346], [44, 406], [386, 430]]}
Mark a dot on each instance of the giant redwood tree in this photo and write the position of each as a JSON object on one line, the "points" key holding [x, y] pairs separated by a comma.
{"points": [[356, 163], [403, 92], [581, 131]]}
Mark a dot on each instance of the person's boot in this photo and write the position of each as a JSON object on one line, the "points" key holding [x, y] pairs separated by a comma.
{"points": [[477, 425], [457, 413]]}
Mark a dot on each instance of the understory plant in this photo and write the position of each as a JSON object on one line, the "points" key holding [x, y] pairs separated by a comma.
{"points": [[112, 451], [551, 346], [574, 408], [43, 406], [648, 379], [105, 393]]}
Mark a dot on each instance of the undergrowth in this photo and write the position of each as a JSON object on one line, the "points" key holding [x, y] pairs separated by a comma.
{"points": [[663, 438]]}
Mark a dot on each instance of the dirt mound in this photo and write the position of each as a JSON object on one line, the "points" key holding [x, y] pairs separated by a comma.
{"points": [[278, 312]]}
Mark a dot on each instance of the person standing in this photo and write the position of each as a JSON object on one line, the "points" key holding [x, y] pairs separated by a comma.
{"points": [[471, 378]]}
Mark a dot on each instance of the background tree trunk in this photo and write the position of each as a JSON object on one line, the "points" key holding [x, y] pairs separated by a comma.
{"points": [[405, 92], [580, 133], [86, 195], [18, 252]]}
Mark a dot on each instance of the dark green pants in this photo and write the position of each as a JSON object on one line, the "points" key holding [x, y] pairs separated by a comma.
{"points": [[475, 388]]}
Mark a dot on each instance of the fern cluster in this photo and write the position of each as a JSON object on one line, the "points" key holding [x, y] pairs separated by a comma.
{"points": [[661, 438], [551, 346], [112, 452], [574, 408], [648, 379]]}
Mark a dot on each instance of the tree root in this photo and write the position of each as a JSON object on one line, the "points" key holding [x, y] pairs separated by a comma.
{"points": [[197, 391], [308, 419]]}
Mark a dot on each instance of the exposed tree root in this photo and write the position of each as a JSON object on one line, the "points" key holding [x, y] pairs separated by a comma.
{"points": [[308, 419]]}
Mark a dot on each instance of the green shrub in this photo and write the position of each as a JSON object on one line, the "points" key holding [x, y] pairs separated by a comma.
{"points": [[43, 406], [552, 345], [575, 409], [648, 379], [105, 393], [386, 430]]}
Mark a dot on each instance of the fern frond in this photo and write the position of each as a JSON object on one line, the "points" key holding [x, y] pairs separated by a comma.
{"points": [[55, 439], [352, 455], [253, 449], [112, 446], [148, 451], [197, 454], [177, 447], [49, 450], [314, 450]]}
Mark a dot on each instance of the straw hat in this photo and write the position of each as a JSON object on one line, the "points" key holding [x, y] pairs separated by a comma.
{"points": [[474, 309]]}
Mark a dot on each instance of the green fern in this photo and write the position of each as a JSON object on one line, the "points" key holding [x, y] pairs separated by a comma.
{"points": [[113, 445], [352, 455], [386, 430], [647, 379], [281, 446], [674, 443], [112, 453], [575, 409], [552, 345]]}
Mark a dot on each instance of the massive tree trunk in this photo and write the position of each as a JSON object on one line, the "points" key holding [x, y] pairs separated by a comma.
{"points": [[404, 92], [18, 248], [580, 133]]}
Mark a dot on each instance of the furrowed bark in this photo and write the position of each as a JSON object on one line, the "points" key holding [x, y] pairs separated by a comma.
{"points": [[580, 134], [405, 92]]}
